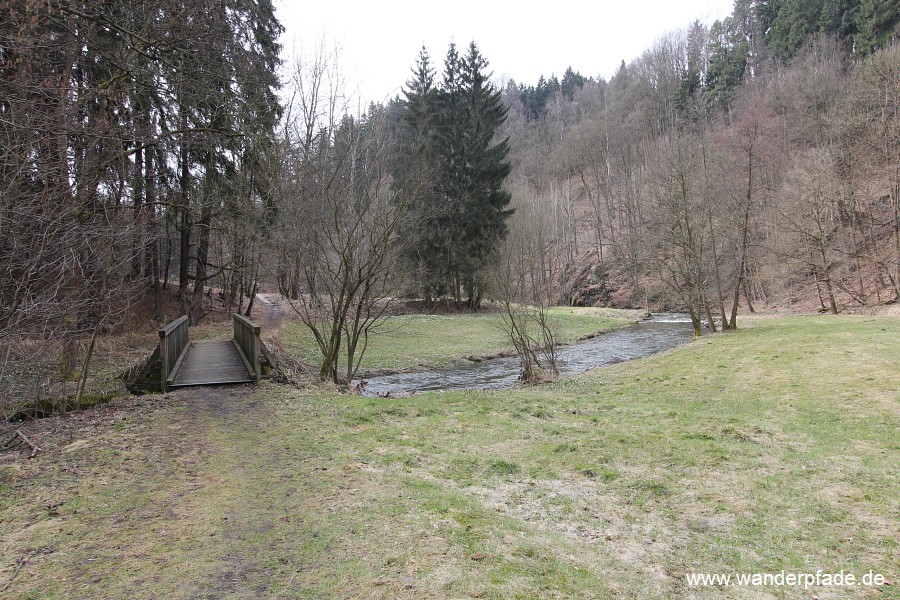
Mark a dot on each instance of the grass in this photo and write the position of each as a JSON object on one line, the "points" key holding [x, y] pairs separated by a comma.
{"points": [[30, 381], [771, 448], [414, 341]]}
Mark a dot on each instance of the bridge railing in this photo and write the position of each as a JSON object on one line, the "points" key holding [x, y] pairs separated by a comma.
{"points": [[246, 337], [173, 341]]}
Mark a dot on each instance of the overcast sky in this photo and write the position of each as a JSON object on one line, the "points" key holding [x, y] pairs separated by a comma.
{"points": [[379, 41]]}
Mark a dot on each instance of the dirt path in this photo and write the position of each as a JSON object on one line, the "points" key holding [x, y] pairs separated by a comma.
{"points": [[272, 311], [116, 488]]}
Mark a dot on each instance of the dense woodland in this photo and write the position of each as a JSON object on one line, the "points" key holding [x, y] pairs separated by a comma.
{"points": [[751, 161], [157, 149]]}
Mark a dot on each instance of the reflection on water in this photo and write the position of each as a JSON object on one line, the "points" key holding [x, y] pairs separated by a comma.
{"points": [[663, 331]]}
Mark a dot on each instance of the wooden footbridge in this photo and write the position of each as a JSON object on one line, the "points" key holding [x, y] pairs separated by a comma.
{"points": [[178, 362]]}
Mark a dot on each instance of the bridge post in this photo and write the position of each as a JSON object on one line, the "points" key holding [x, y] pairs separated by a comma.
{"points": [[173, 341], [164, 355], [246, 336]]}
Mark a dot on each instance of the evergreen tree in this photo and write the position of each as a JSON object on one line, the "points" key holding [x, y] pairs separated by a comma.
{"points": [[692, 74], [420, 93], [458, 217], [795, 21], [422, 226], [765, 12], [570, 81], [483, 168], [728, 52], [877, 22], [865, 25], [535, 98]]}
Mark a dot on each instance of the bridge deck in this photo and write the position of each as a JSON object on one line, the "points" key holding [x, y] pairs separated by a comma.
{"points": [[211, 362]]}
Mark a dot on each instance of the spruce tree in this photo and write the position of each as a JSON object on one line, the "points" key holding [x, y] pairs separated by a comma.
{"points": [[728, 53], [449, 148], [483, 169], [877, 22], [420, 230], [458, 218]]}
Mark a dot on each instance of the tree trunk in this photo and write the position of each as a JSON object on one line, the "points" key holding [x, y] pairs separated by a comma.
{"points": [[185, 229], [695, 321], [86, 367], [185, 258], [150, 219], [896, 218], [200, 274], [826, 279], [138, 216], [168, 241], [154, 241], [252, 298], [832, 304], [747, 297], [745, 234], [720, 291], [709, 315], [158, 310]]}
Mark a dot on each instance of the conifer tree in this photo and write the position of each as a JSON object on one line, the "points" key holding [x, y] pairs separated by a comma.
{"points": [[458, 219], [417, 162], [483, 168]]}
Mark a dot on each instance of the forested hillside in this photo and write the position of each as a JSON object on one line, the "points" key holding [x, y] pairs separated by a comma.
{"points": [[149, 165], [754, 160]]}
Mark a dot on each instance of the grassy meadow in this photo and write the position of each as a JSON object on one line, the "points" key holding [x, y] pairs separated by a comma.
{"points": [[772, 448], [407, 342]]}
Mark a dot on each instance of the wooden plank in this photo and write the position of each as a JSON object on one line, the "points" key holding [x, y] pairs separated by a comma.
{"points": [[240, 352], [172, 326], [212, 362], [178, 364]]}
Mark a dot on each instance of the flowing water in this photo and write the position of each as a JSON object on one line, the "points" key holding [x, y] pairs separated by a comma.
{"points": [[661, 332]]}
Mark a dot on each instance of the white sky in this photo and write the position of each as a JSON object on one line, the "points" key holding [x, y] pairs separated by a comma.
{"points": [[380, 41]]}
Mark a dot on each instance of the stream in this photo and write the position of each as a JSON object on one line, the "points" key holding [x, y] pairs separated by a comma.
{"points": [[661, 332]]}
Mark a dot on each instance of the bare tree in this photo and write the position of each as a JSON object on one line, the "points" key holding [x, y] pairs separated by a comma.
{"points": [[66, 231], [809, 212], [679, 227], [526, 283], [749, 163], [869, 125], [338, 215], [348, 245]]}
